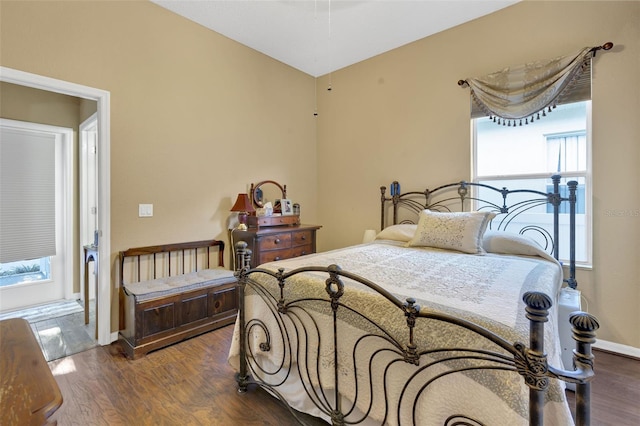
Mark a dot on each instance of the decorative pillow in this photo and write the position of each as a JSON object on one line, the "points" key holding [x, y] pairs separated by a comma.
{"points": [[461, 231], [502, 242], [403, 232]]}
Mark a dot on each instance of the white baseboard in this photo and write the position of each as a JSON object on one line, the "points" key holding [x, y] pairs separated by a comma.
{"points": [[114, 337], [618, 348]]}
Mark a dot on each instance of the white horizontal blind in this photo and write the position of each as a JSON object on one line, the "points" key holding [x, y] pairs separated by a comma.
{"points": [[27, 195]]}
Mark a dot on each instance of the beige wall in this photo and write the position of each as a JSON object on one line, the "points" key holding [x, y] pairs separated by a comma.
{"points": [[402, 116], [195, 117]]}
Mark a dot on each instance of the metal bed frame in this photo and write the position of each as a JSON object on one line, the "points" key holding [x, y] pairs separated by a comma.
{"points": [[527, 359], [416, 201]]}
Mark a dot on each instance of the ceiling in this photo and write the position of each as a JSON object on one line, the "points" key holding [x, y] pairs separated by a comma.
{"points": [[321, 36]]}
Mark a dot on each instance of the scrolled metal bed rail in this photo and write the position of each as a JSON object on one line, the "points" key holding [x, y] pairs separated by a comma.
{"points": [[291, 321]]}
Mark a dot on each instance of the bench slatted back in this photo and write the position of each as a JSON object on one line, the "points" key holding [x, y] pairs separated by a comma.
{"points": [[181, 255]]}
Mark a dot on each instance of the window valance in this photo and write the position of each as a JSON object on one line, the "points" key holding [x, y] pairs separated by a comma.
{"points": [[520, 94]]}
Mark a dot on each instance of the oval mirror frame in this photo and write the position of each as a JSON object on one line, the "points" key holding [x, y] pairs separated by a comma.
{"points": [[256, 191]]}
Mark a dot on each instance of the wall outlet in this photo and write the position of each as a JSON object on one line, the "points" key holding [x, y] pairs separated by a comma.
{"points": [[145, 210]]}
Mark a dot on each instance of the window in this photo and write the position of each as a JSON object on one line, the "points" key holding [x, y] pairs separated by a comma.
{"points": [[526, 156], [568, 153], [28, 202], [25, 271]]}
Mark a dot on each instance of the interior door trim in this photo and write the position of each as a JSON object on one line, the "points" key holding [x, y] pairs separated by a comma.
{"points": [[102, 97]]}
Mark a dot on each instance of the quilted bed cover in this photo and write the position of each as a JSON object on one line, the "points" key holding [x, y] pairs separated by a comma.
{"points": [[486, 289]]}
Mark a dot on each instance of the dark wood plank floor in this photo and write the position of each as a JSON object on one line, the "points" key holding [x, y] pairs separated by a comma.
{"points": [[191, 383]]}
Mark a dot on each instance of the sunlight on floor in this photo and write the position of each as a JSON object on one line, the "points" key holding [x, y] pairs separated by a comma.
{"points": [[53, 331], [64, 366]]}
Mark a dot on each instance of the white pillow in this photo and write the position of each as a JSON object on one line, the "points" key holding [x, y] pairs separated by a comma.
{"points": [[402, 232], [502, 242], [461, 231]]}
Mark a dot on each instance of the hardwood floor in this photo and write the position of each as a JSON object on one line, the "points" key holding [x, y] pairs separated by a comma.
{"points": [[191, 383], [615, 390]]}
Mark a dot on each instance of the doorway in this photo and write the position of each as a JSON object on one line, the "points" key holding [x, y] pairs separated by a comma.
{"points": [[37, 195], [102, 99]]}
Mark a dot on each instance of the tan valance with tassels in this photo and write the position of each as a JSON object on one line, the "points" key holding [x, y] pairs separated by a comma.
{"points": [[520, 94]]}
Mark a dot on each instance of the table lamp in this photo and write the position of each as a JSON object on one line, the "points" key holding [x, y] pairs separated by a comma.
{"points": [[243, 206]]}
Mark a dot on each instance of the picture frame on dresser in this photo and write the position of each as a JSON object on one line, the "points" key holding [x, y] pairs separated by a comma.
{"points": [[286, 207]]}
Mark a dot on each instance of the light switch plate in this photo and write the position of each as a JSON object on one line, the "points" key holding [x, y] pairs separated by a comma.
{"points": [[145, 210]]}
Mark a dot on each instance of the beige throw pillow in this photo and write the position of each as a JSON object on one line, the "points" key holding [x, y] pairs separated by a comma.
{"points": [[461, 231]]}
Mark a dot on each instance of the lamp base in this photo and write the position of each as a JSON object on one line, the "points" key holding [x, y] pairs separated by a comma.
{"points": [[242, 219]]}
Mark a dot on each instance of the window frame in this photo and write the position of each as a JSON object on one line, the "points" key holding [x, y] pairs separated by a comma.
{"points": [[587, 175]]}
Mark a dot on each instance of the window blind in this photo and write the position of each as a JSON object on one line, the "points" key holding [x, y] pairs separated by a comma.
{"points": [[27, 195]]}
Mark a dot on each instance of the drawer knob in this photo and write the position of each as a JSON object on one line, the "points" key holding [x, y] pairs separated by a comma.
{"points": [[277, 241], [303, 253], [276, 258], [304, 237]]}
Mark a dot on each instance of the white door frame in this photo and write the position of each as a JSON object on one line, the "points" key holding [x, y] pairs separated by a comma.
{"points": [[87, 185], [60, 285], [102, 98]]}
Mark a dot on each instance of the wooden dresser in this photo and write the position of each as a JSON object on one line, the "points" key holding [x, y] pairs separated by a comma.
{"points": [[29, 394], [277, 242]]}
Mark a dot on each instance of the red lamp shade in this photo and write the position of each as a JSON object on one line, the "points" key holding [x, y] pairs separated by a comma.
{"points": [[243, 206]]}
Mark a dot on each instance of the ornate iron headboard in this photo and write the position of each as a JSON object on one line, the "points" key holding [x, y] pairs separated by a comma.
{"points": [[460, 195]]}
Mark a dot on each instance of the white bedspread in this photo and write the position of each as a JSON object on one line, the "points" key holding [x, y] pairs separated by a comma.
{"points": [[486, 289]]}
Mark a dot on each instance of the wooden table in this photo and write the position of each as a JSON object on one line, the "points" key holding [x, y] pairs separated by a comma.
{"points": [[29, 394]]}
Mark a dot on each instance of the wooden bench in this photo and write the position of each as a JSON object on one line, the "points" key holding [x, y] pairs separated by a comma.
{"points": [[172, 292]]}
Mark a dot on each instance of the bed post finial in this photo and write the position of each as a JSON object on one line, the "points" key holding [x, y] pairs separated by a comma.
{"points": [[463, 191], [584, 333], [242, 265], [573, 187], [243, 255], [534, 366], [555, 199], [411, 311]]}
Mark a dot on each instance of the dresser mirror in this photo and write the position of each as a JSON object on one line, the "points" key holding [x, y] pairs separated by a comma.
{"points": [[267, 191]]}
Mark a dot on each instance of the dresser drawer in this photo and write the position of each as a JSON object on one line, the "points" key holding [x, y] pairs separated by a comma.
{"points": [[271, 243], [271, 255], [301, 250], [302, 238], [265, 221], [275, 241]]}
